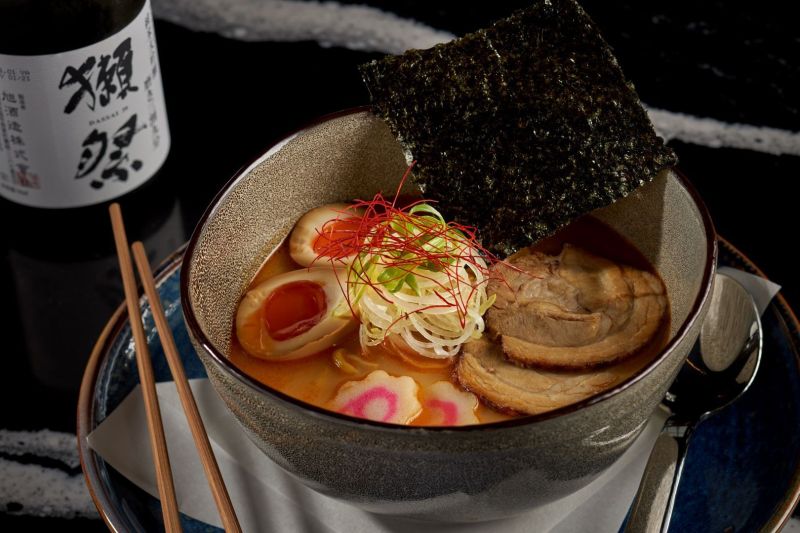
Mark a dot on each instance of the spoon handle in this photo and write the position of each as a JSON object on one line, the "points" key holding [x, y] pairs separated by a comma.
{"points": [[652, 507]]}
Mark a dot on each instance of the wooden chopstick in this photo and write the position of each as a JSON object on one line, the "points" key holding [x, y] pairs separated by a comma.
{"points": [[215, 481], [158, 443]]}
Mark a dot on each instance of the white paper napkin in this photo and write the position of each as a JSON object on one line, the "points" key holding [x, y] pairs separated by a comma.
{"points": [[762, 290], [269, 500]]}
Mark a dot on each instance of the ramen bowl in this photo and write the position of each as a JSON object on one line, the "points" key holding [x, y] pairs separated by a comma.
{"points": [[465, 473]]}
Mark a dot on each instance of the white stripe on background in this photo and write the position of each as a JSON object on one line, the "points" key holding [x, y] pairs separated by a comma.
{"points": [[356, 27], [716, 134], [40, 490], [62, 447]]}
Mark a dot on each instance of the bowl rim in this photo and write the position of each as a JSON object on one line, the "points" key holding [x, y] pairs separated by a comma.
{"points": [[231, 369]]}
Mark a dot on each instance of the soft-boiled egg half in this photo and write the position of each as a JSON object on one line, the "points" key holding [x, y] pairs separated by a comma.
{"points": [[324, 233], [294, 315]]}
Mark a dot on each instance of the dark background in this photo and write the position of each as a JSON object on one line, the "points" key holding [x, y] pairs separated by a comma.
{"points": [[229, 100]]}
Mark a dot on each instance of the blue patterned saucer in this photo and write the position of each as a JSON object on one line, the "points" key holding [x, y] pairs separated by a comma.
{"points": [[742, 472]]}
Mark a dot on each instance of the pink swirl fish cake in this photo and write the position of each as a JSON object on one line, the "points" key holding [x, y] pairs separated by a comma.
{"points": [[447, 405], [380, 397]]}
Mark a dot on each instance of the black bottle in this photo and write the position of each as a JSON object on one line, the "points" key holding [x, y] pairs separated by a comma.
{"points": [[82, 115]]}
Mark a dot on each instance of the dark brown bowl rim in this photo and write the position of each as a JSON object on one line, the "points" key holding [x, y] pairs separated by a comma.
{"points": [[227, 366]]}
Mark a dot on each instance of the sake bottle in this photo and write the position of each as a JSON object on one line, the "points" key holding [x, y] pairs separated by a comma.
{"points": [[82, 114]]}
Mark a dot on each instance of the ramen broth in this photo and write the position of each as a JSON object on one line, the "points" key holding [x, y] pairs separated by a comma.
{"points": [[317, 378]]}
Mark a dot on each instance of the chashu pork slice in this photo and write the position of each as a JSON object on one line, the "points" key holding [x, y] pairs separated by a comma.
{"points": [[574, 310], [483, 370]]}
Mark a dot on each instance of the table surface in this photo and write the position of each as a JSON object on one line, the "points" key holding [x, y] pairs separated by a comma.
{"points": [[722, 83]]}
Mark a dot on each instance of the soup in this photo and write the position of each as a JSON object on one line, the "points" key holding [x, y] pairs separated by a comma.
{"points": [[292, 332]]}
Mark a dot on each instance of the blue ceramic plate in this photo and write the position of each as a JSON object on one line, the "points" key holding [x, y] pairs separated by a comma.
{"points": [[742, 472]]}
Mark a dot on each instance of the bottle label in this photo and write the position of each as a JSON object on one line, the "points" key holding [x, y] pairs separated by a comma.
{"points": [[83, 126]]}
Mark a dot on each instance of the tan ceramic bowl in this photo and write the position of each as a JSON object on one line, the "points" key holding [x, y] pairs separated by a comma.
{"points": [[462, 474]]}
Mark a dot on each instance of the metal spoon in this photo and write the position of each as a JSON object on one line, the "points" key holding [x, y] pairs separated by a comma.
{"points": [[719, 369]]}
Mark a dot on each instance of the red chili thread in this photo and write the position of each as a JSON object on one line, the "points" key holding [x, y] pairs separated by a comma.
{"points": [[375, 238]]}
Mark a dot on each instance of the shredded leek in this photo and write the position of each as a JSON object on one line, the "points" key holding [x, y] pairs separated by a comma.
{"points": [[422, 280]]}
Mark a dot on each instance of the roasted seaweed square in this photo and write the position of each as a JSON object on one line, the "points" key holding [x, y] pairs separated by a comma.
{"points": [[522, 127]]}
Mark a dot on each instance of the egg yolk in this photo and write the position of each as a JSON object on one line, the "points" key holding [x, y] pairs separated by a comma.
{"points": [[338, 238], [294, 308]]}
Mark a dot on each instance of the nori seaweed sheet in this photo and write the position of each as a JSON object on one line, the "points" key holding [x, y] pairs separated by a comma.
{"points": [[519, 128]]}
